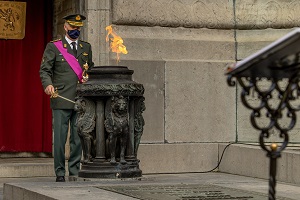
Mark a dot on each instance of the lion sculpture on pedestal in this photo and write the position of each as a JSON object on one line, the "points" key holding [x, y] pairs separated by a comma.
{"points": [[116, 125], [86, 127]]}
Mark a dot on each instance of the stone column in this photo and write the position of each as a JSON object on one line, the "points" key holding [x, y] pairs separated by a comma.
{"points": [[99, 15]]}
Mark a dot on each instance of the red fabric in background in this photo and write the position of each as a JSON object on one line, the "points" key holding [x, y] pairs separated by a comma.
{"points": [[25, 115]]}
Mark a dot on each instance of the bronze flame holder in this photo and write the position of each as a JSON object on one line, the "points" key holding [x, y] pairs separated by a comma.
{"points": [[105, 82]]}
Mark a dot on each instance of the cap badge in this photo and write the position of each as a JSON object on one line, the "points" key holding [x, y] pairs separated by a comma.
{"points": [[78, 17]]}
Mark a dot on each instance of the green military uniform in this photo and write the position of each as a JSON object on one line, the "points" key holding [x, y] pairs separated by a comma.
{"points": [[56, 71]]}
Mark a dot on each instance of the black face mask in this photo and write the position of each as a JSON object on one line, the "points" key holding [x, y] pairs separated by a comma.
{"points": [[74, 34]]}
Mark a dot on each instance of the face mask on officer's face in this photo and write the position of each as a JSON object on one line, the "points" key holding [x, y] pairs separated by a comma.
{"points": [[74, 34]]}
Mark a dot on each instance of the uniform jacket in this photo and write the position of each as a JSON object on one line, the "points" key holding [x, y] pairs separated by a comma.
{"points": [[56, 71]]}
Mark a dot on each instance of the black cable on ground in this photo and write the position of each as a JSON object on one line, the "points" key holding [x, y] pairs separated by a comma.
{"points": [[219, 160]]}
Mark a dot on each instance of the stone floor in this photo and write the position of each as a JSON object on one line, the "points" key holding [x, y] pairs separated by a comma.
{"points": [[189, 186]]}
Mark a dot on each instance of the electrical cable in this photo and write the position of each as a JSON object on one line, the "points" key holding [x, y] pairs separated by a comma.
{"points": [[219, 160], [224, 152], [212, 170]]}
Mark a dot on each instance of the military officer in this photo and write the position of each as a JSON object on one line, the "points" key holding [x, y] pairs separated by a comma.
{"points": [[61, 70]]}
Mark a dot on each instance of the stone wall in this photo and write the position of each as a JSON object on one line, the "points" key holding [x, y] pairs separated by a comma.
{"points": [[179, 51]]}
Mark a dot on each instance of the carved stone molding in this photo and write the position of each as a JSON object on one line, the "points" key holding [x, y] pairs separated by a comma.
{"points": [[174, 13], [261, 14], [214, 14]]}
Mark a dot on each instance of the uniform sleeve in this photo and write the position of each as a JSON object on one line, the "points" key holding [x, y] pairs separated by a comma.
{"points": [[47, 64], [91, 63]]}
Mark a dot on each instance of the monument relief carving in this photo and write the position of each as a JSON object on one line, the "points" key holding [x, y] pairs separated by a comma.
{"points": [[116, 125], [138, 123], [85, 127], [112, 89], [12, 19], [214, 14], [110, 122], [263, 14], [174, 13]]}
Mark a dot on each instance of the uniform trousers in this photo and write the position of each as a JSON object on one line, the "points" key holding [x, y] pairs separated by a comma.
{"points": [[63, 118]]}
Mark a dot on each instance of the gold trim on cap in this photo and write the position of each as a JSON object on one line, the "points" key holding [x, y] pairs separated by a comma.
{"points": [[75, 23]]}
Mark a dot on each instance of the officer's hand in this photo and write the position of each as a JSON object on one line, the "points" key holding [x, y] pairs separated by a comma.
{"points": [[49, 90]]}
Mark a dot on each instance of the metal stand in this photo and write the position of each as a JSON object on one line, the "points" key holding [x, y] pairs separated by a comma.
{"points": [[277, 65], [118, 123]]}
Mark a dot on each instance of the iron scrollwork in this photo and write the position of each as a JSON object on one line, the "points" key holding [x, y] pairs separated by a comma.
{"points": [[267, 91], [274, 113]]}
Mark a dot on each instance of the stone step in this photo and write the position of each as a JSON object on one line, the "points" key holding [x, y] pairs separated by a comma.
{"points": [[239, 159], [251, 160], [26, 167]]}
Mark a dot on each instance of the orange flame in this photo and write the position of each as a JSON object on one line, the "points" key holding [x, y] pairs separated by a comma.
{"points": [[116, 42]]}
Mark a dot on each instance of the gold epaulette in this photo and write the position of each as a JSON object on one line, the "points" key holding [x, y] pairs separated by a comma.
{"points": [[55, 40], [84, 41]]}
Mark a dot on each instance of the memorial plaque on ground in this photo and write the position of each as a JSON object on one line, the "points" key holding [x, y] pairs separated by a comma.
{"points": [[186, 192]]}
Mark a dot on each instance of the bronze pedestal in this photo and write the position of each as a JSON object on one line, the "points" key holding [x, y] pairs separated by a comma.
{"points": [[110, 123]]}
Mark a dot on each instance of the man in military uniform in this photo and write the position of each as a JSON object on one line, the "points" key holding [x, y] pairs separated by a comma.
{"points": [[62, 68]]}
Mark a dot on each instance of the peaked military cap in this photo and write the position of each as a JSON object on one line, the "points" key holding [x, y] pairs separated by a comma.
{"points": [[75, 19]]}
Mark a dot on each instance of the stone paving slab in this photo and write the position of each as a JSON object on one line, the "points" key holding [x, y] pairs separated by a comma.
{"points": [[186, 192], [184, 185]]}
